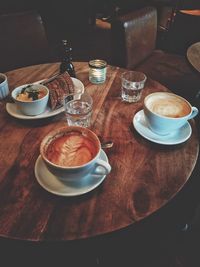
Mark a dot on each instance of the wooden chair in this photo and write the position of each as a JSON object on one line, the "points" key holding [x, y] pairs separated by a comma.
{"points": [[23, 40], [133, 46]]}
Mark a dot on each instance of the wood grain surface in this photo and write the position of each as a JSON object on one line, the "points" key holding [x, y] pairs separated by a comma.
{"points": [[193, 55], [144, 176]]}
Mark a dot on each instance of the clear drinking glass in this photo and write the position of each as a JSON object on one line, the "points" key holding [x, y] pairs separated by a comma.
{"points": [[132, 83], [78, 109]]}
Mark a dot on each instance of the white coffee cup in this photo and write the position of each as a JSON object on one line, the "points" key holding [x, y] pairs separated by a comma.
{"points": [[72, 152], [167, 112], [4, 90]]}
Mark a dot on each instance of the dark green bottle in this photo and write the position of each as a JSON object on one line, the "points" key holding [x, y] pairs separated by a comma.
{"points": [[66, 61]]}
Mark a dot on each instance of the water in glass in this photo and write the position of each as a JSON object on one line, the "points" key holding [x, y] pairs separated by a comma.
{"points": [[78, 113], [130, 94], [132, 84]]}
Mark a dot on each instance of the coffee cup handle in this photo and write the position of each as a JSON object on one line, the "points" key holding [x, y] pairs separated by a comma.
{"points": [[106, 168], [195, 111]]}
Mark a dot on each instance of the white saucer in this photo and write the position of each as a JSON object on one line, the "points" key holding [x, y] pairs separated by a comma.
{"points": [[53, 185], [15, 112], [177, 137]]}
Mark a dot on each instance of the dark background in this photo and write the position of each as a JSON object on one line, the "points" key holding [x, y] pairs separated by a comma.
{"points": [[64, 19]]}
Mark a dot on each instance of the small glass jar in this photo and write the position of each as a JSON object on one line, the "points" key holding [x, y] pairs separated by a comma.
{"points": [[97, 71]]}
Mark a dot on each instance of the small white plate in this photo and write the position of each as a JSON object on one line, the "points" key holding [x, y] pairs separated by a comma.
{"points": [[177, 137], [53, 185], [15, 112]]}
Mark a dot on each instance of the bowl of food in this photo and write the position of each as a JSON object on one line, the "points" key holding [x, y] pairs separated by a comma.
{"points": [[31, 99]]}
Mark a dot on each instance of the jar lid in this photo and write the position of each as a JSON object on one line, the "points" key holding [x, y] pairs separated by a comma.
{"points": [[97, 63]]}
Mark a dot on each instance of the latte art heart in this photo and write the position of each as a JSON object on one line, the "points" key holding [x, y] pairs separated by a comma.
{"points": [[73, 149]]}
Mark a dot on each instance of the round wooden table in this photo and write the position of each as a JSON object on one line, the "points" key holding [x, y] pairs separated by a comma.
{"points": [[144, 177], [193, 55]]}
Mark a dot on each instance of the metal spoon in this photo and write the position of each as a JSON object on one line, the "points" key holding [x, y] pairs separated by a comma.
{"points": [[107, 144]]}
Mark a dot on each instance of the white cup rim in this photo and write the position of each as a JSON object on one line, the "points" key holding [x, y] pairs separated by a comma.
{"points": [[4, 77], [165, 117], [60, 130]]}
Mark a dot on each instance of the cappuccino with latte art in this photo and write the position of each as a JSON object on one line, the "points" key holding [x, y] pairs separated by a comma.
{"points": [[72, 152], [167, 112], [168, 105], [71, 149]]}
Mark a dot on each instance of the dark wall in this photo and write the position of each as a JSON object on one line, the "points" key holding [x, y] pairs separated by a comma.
{"points": [[190, 4], [61, 17], [65, 19]]}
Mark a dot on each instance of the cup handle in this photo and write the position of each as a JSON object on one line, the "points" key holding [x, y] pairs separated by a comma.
{"points": [[106, 168], [195, 111]]}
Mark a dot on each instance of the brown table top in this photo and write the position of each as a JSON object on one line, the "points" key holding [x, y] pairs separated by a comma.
{"points": [[193, 12], [144, 176], [193, 55]]}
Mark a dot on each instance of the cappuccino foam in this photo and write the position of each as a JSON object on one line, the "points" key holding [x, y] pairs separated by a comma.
{"points": [[72, 149], [168, 105]]}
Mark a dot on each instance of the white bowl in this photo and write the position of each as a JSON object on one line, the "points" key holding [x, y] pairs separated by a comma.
{"points": [[31, 108]]}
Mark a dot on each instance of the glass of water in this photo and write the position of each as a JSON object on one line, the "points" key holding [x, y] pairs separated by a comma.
{"points": [[132, 83], [78, 109]]}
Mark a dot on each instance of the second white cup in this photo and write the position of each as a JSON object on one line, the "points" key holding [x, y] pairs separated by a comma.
{"points": [[4, 89], [167, 112]]}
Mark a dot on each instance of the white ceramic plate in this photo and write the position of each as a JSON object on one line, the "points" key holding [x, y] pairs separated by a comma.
{"points": [[174, 138], [53, 185], [12, 109]]}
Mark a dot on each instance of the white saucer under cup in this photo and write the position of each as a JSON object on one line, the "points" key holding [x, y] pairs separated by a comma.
{"points": [[54, 185], [174, 138]]}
